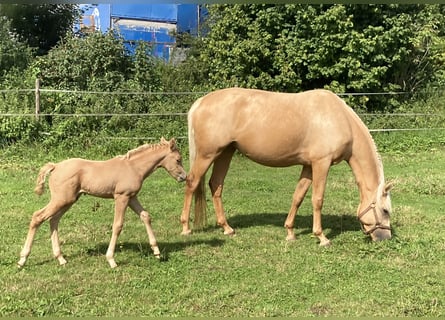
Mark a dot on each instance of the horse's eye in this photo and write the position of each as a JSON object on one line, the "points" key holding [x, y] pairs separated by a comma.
{"points": [[386, 212]]}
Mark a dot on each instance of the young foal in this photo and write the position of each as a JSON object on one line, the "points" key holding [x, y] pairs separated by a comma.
{"points": [[120, 178]]}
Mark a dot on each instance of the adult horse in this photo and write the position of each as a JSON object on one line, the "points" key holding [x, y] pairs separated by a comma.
{"points": [[315, 129]]}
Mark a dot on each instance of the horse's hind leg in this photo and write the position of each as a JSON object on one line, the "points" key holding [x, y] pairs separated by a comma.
{"points": [[145, 217], [216, 183], [299, 194], [197, 172]]}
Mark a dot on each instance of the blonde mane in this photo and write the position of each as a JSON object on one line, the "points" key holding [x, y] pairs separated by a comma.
{"points": [[144, 147]]}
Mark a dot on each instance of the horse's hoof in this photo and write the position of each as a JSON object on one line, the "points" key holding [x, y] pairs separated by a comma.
{"points": [[230, 233], [291, 238], [325, 243], [186, 232]]}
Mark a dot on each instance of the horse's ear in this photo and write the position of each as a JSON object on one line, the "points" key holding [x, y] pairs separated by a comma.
{"points": [[388, 187], [163, 140]]}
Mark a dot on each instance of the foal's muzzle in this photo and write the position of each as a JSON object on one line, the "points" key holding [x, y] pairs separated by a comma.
{"points": [[182, 177]]}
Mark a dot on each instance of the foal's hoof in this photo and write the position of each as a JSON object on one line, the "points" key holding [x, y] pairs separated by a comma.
{"points": [[112, 263], [21, 262], [291, 238], [325, 243], [186, 232]]}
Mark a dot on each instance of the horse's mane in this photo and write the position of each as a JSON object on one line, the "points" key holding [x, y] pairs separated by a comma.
{"points": [[144, 147], [367, 133]]}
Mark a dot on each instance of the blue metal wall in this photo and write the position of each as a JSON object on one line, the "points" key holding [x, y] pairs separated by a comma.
{"points": [[182, 17]]}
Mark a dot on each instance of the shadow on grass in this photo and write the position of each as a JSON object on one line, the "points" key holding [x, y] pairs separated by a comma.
{"points": [[333, 225], [144, 248]]}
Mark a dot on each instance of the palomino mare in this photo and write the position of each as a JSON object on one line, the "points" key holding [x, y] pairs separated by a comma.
{"points": [[315, 129], [120, 178]]}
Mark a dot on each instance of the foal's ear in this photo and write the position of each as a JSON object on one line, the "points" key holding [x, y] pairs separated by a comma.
{"points": [[163, 140], [172, 143]]}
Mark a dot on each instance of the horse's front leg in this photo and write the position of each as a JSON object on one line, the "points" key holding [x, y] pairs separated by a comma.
{"points": [[121, 203], [319, 173], [299, 194], [145, 217]]}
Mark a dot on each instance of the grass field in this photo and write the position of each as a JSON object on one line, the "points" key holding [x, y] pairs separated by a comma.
{"points": [[255, 273]]}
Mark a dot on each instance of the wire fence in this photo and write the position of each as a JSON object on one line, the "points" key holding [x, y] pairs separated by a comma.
{"points": [[38, 91]]}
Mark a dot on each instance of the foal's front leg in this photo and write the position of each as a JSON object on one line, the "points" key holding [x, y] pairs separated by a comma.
{"points": [[145, 217], [121, 203]]}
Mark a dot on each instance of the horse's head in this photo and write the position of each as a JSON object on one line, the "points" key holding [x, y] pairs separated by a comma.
{"points": [[375, 217], [172, 162]]}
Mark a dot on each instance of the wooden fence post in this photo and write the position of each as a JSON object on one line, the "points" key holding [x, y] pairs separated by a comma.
{"points": [[37, 98]]}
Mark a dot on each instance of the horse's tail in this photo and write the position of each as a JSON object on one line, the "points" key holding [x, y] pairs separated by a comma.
{"points": [[200, 200], [44, 171]]}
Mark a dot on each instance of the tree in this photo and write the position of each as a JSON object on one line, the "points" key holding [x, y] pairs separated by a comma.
{"points": [[346, 48], [40, 25], [14, 55]]}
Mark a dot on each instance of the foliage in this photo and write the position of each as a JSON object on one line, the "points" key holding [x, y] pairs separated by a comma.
{"points": [[14, 55], [346, 48], [41, 25], [95, 62]]}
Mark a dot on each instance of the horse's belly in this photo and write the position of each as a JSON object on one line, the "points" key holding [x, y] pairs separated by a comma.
{"points": [[273, 155], [293, 150]]}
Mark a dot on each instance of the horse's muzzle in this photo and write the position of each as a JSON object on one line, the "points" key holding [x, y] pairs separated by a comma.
{"points": [[182, 177], [381, 234]]}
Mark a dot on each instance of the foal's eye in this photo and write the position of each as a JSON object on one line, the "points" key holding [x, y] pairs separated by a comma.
{"points": [[386, 212]]}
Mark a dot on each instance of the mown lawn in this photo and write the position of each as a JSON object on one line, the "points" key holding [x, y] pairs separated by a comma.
{"points": [[255, 273]]}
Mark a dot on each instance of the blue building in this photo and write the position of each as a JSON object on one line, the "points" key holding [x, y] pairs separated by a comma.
{"points": [[156, 24]]}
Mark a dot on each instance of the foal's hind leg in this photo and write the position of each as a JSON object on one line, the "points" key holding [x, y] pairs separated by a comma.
{"points": [[37, 219], [145, 217], [299, 194], [54, 224], [216, 183]]}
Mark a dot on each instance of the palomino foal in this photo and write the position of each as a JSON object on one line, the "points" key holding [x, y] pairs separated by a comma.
{"points": [[120, 178]]}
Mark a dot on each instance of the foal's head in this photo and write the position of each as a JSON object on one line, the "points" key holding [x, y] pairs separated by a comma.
{"points": [[172, 162]]}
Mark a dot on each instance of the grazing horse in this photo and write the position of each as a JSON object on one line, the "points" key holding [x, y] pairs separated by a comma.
{"points": [[120, 178], [315, 129]]}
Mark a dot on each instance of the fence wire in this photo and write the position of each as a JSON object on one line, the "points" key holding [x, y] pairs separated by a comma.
{"points": [[184, 114]]}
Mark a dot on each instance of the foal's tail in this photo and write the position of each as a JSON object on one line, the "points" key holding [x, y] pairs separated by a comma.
{"points": [[200, 200], [44, 171]]}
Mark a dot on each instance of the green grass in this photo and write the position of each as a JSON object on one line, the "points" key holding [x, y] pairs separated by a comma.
{"points": [[255, 273]]}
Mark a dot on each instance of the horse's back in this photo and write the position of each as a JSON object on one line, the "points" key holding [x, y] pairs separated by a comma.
{"points": [[277, 129]]}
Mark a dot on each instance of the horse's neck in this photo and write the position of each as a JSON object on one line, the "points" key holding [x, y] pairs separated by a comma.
{"points": [[146, 161], [366, 166]]}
